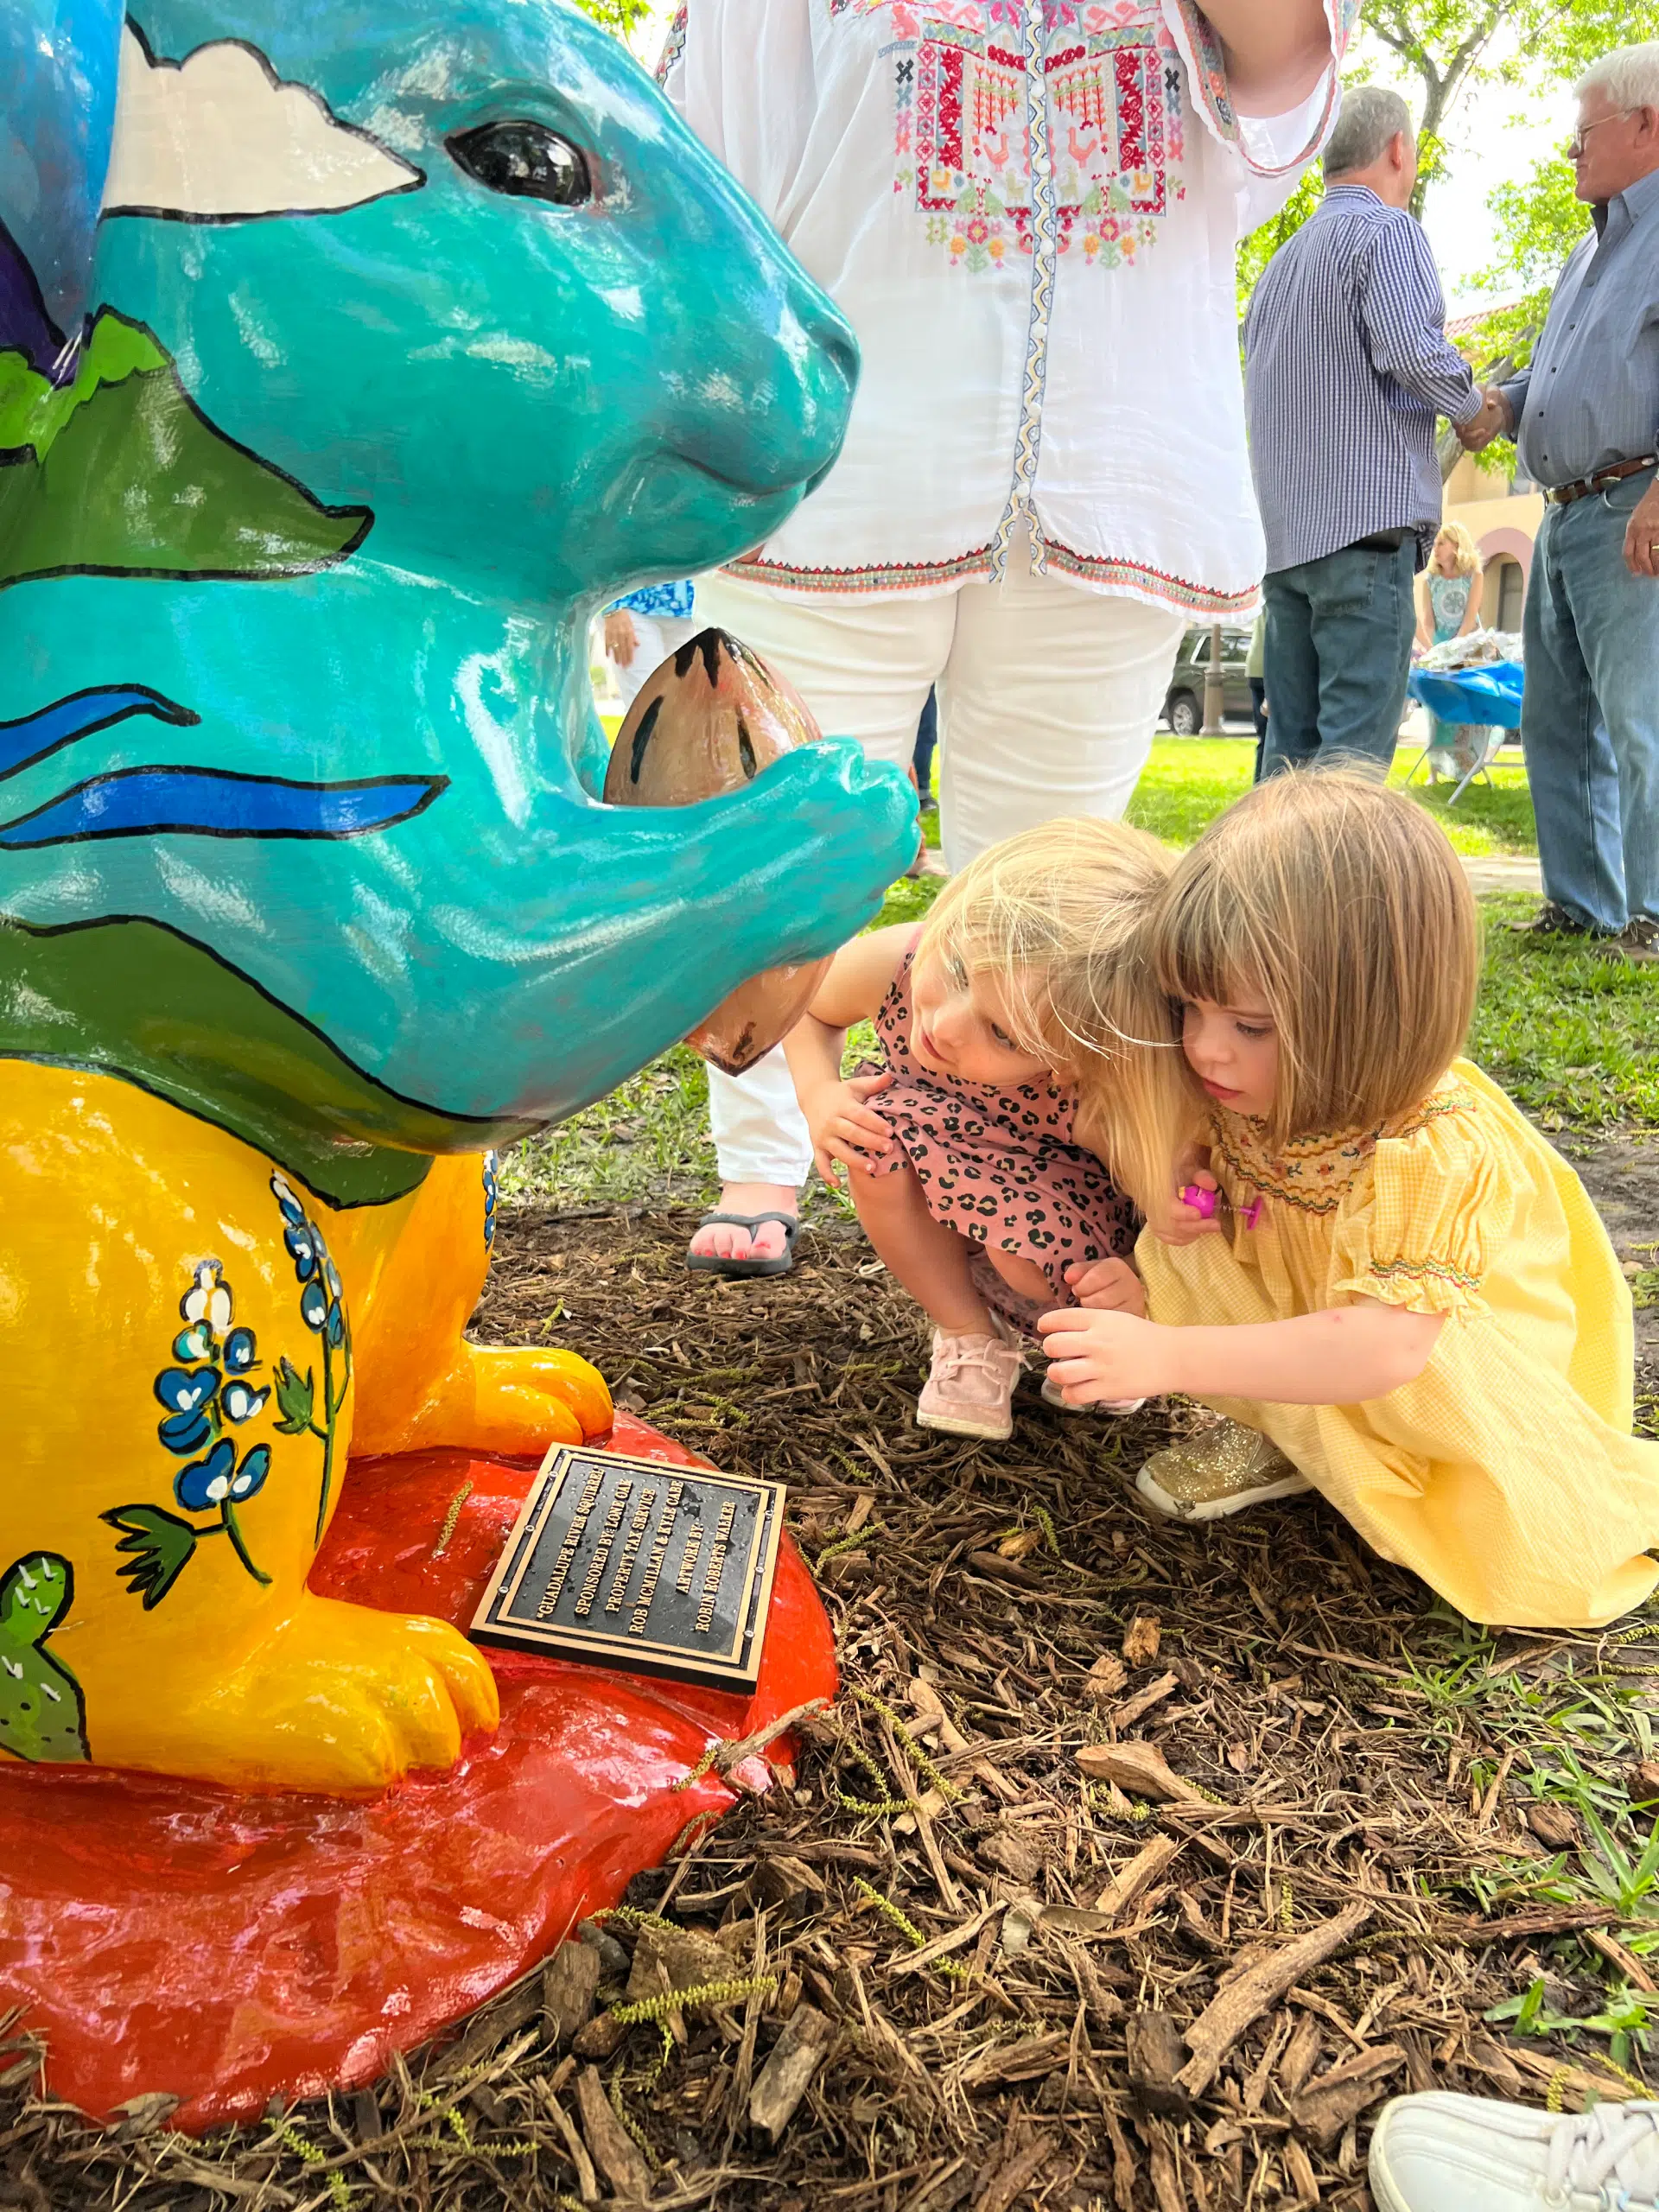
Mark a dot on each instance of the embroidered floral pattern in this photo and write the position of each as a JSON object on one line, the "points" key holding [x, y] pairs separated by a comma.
{"points": [[1137, 577], [1422, 1271], [907, 576], [1313, 1173], [673, 45], [998, 101], [1207, 69]]}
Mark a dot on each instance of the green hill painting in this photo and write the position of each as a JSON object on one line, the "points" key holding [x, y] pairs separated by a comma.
{"points": [[119, 474]]}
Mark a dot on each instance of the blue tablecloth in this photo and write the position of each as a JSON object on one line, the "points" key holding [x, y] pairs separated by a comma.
{"points": [[1488, 694]]}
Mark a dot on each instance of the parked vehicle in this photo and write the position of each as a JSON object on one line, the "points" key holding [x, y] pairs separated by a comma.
{"points": [[1184, 703]]}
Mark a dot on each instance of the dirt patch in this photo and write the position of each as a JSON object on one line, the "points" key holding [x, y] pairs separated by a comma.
{"points": [[1621, 1174], [1009, 1954]]}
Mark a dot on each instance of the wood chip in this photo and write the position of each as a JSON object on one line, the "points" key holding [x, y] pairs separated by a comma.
{"points": [[569, 1990], [1138, 1768], [1026, 2058], [1326, 2107], [1141, 1639], [998, 1569], [1010, 2181], [677, 1958], [1244, 2000], [1301, 2056], [1012, 1851], [1156, 2053], [614, 2152], [586, 2179], [1626, 1961], [1554, 1826], [784, 2080], [1104, 1680], [601, 2039], [1132, 1881], [1136, 1707], [1163, 2167], [1299, 2172]]}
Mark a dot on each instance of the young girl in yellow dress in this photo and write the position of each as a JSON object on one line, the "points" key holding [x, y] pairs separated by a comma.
{"points": [[1427, 1322]]}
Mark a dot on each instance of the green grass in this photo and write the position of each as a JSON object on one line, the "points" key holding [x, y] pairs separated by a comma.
{"points": [[1189, 780], [1573, 1036]]}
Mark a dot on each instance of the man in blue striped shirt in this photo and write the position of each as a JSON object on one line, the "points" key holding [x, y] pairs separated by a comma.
{"points": [[1346, 367], [1587, 412]]}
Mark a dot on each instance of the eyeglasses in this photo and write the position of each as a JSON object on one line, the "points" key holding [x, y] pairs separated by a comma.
{"points": [[1574, 147]]}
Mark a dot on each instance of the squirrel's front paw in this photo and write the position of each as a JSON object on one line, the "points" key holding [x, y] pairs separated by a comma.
{"points": [[337, 1698], [516, 1402]]}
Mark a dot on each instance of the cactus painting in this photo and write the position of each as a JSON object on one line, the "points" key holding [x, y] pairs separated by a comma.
{"points": [[42, 1716]]}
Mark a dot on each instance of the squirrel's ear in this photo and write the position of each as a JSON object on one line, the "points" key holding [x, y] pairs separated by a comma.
{"points": [[59, 62]]}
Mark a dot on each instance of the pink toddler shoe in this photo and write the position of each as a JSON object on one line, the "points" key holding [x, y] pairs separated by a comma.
{"points": [[969, 1387]]}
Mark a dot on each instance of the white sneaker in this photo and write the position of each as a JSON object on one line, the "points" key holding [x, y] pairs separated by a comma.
{"points": [[1437, 2153], [1052, 1396], [969, 1387]]}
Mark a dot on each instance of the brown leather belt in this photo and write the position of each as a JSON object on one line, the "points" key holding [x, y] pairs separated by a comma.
{"points": [[1564, 494]]}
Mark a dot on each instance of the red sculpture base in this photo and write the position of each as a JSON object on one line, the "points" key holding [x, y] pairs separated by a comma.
{"points": [[225, 1949]]}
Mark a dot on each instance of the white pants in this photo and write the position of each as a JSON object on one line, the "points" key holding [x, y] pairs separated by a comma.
{"points": [[656, 636], [1048, 699]]}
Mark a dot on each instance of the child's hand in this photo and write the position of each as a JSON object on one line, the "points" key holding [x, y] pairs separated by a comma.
{"points": [[1097, 1358], [1185, 1225], [844, 1130], [1107, 1286]]}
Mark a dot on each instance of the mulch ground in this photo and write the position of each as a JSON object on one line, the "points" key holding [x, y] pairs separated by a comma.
{"points": [[1137, 1866]]}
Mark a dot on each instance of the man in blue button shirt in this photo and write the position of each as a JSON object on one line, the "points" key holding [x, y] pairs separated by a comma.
{"points": [[1588, 414], [1346, 367]]}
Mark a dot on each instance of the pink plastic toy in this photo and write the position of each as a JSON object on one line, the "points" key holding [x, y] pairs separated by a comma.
{"points": [[1209, 1204]]}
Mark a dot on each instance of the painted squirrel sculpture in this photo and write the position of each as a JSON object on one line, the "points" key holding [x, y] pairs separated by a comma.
{"points": [[349, 356]]}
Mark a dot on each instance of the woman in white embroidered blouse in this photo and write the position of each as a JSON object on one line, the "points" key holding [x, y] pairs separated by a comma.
{"points": [[1028, 211]]}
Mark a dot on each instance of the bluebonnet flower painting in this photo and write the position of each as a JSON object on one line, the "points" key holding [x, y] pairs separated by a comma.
{"points": [[204, 1399], [322, 1309], [492, 1197]]}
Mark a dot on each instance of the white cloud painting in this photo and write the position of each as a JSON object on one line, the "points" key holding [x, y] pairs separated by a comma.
{"points": [[219, 138]]}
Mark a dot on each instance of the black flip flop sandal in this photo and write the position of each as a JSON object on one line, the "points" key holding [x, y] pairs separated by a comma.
{"points": [[713, 1264]]}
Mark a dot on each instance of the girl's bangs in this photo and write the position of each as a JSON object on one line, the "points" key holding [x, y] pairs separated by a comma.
{"points": [[1196, 950]]}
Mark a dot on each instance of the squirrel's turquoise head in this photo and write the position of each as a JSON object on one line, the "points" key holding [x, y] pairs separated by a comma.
{"points": [[406, 337], [547, 339]]}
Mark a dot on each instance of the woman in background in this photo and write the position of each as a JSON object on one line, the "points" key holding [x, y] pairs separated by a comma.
{"points": [[1448, 606]]}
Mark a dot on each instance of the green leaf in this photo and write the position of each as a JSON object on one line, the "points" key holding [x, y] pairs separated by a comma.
{"points": [[296, 1394], [158, 1546], [33, 410]]}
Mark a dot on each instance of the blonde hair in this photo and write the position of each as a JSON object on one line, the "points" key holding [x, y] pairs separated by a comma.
{"points": [[1061, 915], [1342, 907], [1469, 561]]}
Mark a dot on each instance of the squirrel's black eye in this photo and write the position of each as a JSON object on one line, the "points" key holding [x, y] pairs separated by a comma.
{"points": [[526, 160]]}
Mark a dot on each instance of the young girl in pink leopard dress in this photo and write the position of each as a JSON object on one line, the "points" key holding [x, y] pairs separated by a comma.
{"points": [[977, 1168]]}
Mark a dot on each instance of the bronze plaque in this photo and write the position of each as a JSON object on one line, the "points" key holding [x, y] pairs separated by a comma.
{"points": [[635, 1564]]}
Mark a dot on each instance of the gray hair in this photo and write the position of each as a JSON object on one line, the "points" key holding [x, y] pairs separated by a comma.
{"points": [[1370, 117], [1629, 76]]}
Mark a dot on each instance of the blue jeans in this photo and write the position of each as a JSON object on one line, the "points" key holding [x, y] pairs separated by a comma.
{"points": [[927, 736], [1590, 715], [1339, 652]]}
